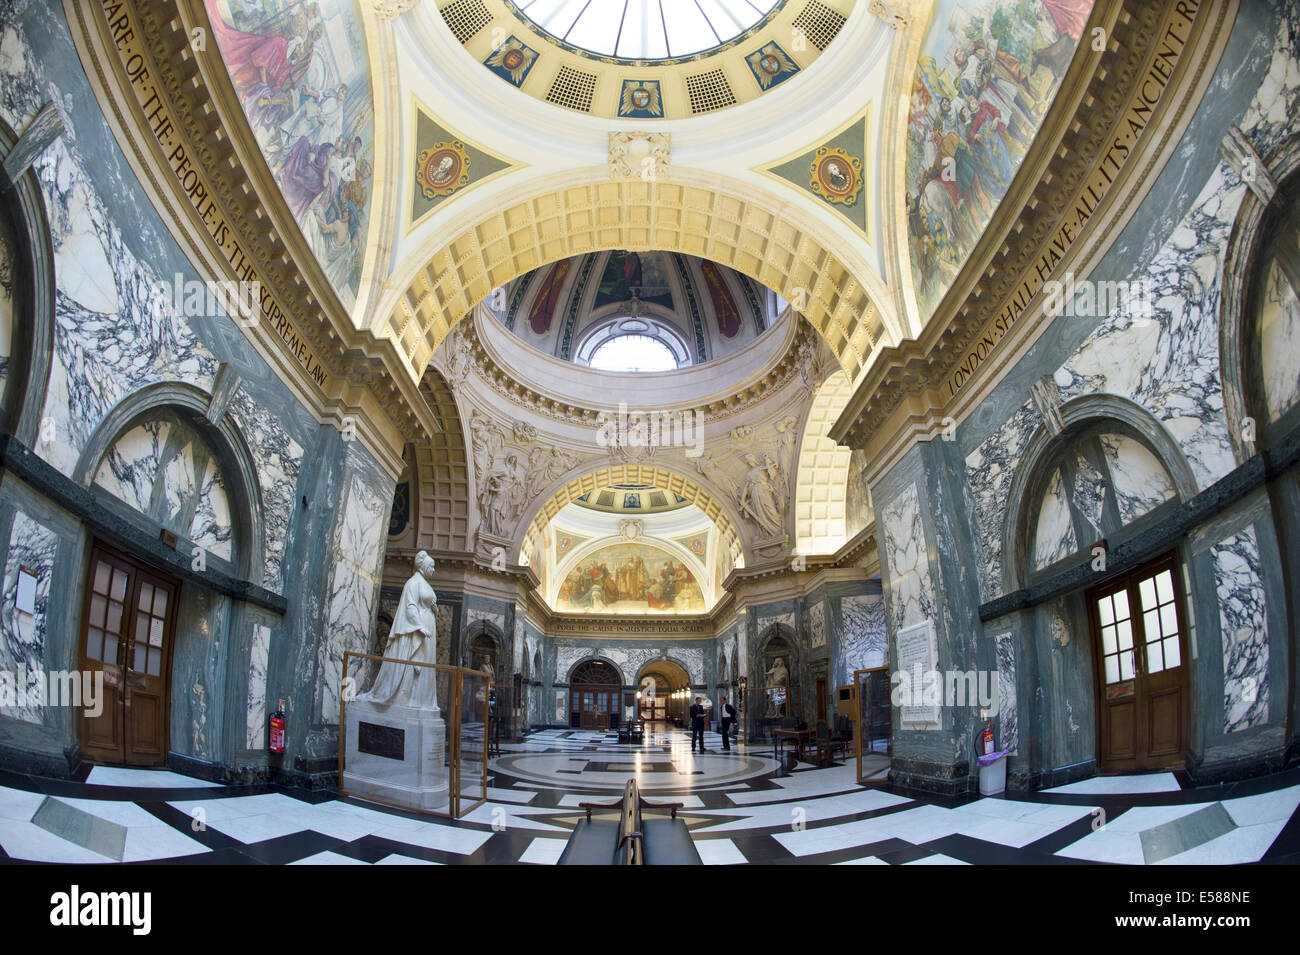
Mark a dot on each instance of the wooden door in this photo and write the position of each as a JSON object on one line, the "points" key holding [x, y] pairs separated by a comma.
{"points": [[1142, 678], [127, 627]]}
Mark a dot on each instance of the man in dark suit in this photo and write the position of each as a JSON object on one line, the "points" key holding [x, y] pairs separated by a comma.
{"points": [[728, 719], [697, 724]]}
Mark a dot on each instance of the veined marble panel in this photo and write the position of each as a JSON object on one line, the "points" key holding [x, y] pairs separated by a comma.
{"points": [[22, 636], [817, 624], [1244, 629], [787, 619], [1279, 334], [1054, 536], [1089, 493], [864, 642], [357, 554], [442, 652], [8, 262], [256, 717], [1272, 114], [990, 469], [1008, 721], [211, 527], [1138, 479], [909, 588], [130, 467], [278, 458], [475, 614]]}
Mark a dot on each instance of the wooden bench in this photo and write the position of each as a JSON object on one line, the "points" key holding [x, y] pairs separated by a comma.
{"points": [[630, 839]]}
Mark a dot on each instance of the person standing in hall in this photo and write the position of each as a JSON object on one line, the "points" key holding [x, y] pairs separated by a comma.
{"points": [[728, 719], [697, 724]]}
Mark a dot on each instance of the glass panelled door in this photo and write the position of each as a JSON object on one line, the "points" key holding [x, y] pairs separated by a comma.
{"points": [[1141, 638], [126, 635]]}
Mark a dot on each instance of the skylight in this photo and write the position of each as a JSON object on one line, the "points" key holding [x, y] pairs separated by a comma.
{"points": [[633, 353], [645, 29]]}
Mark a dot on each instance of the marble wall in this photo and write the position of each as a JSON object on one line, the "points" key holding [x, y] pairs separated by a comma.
{"points": [[357, 555], [32, 546], [1243, 630]]}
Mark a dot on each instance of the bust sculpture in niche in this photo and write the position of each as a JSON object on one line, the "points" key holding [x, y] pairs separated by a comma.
{"points": [[413, 637]]}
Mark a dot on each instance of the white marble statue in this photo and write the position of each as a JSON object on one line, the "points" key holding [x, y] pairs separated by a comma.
{"points": [[760, 500], [414, 636]]}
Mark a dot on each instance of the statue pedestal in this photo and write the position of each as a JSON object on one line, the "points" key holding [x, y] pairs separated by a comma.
{"points": [[396, 754]]}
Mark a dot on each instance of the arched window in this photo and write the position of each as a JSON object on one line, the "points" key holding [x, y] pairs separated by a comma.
{"points": [[637, 343]]}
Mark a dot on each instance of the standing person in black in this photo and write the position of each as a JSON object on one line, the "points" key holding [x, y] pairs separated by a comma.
{"points": [[697, 724], [728, 718]]}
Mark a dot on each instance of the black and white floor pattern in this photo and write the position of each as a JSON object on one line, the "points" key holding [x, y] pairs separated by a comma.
{"points": [[741, 807]]}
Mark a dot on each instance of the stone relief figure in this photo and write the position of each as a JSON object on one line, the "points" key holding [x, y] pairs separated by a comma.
{"points": [[761, 500], [498, 496], [414, 636]]}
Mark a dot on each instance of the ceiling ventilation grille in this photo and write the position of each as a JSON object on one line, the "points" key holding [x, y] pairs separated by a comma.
{"points": [[709, 91], [819, 23], [573, 89], [465, 18]]}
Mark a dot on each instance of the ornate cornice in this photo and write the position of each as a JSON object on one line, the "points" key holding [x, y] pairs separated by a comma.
{"points": [[510, 385]]}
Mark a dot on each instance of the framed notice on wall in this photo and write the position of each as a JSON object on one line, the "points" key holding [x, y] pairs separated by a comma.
{"points": [[918, 654]]}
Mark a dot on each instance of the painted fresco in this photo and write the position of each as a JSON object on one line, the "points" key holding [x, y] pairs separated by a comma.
{"points": [[987, 73], [630, 578], [647, 272], [302, 75]]}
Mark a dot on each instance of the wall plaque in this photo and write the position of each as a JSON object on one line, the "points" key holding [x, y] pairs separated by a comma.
{"points": [[377, 740]]}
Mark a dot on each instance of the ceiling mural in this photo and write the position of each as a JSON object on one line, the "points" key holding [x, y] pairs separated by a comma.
{"points": [[630, 579], [301, 72], [986, 76]]}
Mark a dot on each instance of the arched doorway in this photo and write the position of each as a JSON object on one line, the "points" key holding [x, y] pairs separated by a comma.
{"points": [[656, 684], [594, 691], [772, 698]]}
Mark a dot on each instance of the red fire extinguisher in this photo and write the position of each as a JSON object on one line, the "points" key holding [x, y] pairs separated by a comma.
{"points": [[277, 729], [986, 740]]}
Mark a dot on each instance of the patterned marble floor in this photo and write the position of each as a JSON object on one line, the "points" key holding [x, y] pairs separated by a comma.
{"points": [[741, 807]]}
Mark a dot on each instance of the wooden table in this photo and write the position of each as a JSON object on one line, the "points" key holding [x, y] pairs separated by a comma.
{"points": [[781, 737]]}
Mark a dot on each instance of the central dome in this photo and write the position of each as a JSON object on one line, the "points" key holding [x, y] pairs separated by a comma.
{"points": [[646, 29], [636, 311]]}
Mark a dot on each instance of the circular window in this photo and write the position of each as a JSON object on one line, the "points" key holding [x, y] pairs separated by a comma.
{"points": [[646, 29]]}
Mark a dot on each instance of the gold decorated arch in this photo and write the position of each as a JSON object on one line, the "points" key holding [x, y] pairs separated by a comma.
{"points": [[713, 506], [733, 224]]}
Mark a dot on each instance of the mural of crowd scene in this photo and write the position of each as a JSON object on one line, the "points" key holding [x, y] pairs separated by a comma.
{"points": [[987, 73], [631, 578], [301, 72]]}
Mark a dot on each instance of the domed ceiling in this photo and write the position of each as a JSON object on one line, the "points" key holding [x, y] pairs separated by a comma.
{"points": [[631, 499], [696, 309]]}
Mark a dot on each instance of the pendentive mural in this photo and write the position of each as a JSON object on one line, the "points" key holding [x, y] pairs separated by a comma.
{"points": [[987, 74], [302, 74], [630, 578]]}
